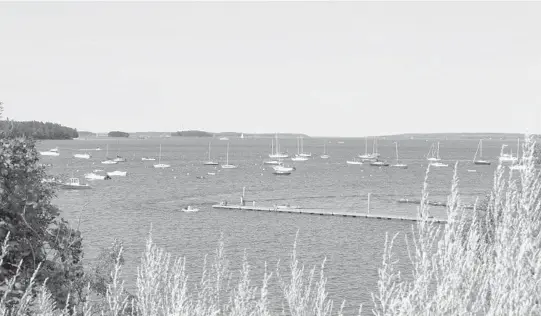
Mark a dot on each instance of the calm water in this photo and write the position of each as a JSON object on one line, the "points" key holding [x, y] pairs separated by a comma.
{"points": [[126, 207]]}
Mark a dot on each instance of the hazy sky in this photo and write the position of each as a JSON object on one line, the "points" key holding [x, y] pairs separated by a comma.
{"points": [[325, 68]]}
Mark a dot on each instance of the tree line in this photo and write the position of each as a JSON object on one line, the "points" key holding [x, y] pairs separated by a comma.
{"points": [[38, 130]]}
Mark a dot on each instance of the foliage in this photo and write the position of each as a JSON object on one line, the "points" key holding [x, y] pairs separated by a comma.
{"points": [[118, 134], [38, 236], [38, 130], [482, 263], [193, 134]]}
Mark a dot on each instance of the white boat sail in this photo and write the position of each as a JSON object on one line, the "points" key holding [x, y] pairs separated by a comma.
{"points": [[435, 161], [480, 161], [278, 154], [398, 164], [108, 161], [324, 156], [161, 165], [209, 162], [367, 156], [227, 165]]}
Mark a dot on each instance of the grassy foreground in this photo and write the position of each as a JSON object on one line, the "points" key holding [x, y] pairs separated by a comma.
{"points": [[482, 262]]}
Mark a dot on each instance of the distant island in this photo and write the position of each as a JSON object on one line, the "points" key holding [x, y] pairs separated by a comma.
{"points": [[118, 134], [196, 133], [38, 130]]}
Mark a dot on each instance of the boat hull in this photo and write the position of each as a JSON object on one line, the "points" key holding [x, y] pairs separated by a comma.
{"points": [[210, 163], [482, 162], [75, 187]]}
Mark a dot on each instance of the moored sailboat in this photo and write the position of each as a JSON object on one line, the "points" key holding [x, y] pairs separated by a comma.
{"points": [[398, 164], [161, 165], [209, 162], [480, 161], [227, 165]]}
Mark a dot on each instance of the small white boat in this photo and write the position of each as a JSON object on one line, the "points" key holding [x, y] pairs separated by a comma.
{"points": [[74, 184], [271, 162], [190, 209], [281, 172], [148, 159], [366, 156], [97, 170], [161, 165], [471, 170], [227, 165], [108, 161], [51, 180], [82, 156], [299, 158], [281, 168], [509, 157], [211, 173], [93, 176], [117, 173], [439, 164], [434, 153], [119, 159], [354, 162], [223, 138], [52, 152]]}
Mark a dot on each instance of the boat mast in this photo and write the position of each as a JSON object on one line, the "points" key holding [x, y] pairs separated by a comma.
{"points": [[478, 145], [438, 151], [160, 155], [209, 151], [518, 147], [227, 155], [366, 146], [324, 148], [396, 146], [481, 147]]}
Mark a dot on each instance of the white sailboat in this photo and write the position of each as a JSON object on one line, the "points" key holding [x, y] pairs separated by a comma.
{"points": [[398, 164], [437, 160], [434, 154], [227, 165], [108, 161], [517, 165], [298, 156], [278, 154], [509, 157], [209, 162], [324, 156], [302, 153], [480, 161], [366, 155], [271, 162], [161, 165]]}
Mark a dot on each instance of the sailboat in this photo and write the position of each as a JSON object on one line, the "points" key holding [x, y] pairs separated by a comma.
{"points": [[209, 162], [82, 156], [108, 160], [278, 154], [436, 160], [433, 155], [398, 164], [509, 157], [480, 161], [302, 153], [160, 164], [271, 162], [366, 155], [227, 165], [516, 164], [354, 162], [324, 156], [298, 156], [119, 158]]}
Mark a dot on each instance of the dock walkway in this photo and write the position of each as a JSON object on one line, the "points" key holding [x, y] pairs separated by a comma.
{"points": [[322, 212]]}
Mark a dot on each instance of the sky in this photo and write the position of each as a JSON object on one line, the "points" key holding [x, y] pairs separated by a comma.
{"points": [[319, 68]]}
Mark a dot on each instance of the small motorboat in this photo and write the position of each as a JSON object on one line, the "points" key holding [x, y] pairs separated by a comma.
{"points": [[281, 172], [162, 166], [271, 162], [190, 209], [93, 176], [120, 159], [211, 173], [439, 164], [148, 159], [74, 184], [109, 162], [52, 152], [51, 180], [354, 162], [117, 173], [299, 158], [82, 156]]}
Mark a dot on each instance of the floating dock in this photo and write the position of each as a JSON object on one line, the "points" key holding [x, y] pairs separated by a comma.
{"points": [[322, 212]]}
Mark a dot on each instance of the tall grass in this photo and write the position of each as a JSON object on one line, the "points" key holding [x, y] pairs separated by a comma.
{"points": [[485, 262]]}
